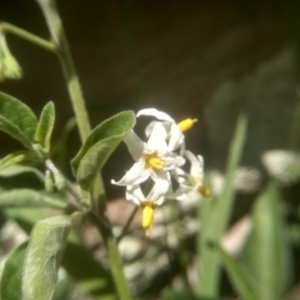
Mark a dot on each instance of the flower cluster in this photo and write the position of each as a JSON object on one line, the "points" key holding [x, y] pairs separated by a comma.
{"points": [[159, 161]]}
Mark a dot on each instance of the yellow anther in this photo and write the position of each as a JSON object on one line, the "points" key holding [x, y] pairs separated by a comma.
{"points": [[186, 124], [147, 217], [204, 191], [153, 161]]}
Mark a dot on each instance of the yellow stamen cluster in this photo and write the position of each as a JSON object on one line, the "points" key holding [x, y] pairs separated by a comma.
{"points": [[186, 124], [152, 161], [204, 191], [148, 210]]}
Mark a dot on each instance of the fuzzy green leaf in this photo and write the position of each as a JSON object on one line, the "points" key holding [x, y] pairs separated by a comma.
{"points": [[17, 119], [266, 254], [18, 176], [45, 250], [45, 126], [99, 146], [11, 279], [29, 198], [16, 158]]}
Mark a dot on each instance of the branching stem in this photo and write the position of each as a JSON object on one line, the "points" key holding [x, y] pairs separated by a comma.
{"points": [[6, 27]]}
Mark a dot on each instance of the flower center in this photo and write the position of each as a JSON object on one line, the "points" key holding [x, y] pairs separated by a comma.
{"points": [[186, 124], [152, 161]]}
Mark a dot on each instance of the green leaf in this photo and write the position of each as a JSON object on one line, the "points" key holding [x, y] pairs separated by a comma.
{"points": [[241, 279], [91, 276], [99, 146], [266, 254], [215, 215], [45, 126], [15, 158], [43, 257], [171, 294], [15, 170], [29, 198], [18, 176], [17, 119], [11, 279]]}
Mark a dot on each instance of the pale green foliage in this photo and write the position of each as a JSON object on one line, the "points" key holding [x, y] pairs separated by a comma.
{"points": [[17, 120], [11, 280], [29, 198], [43, 257], [100, 144], [45, 126]]}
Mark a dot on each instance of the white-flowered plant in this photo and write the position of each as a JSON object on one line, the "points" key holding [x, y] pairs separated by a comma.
{"points": [[153, 159], [157, 161]]}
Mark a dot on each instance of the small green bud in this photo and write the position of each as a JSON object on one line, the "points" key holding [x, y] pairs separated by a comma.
{"points": [[60, 181], [49, 184], [9, 67]]}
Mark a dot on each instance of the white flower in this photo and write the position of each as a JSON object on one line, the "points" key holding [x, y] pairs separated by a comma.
{"points": [[153, 159], [175, 131], [191, 183], [153, 199]]}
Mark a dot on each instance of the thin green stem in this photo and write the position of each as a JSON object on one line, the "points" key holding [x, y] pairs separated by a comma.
{"points": [[57, 33], [114, 257], [128, 223], [183, 255], [98, 213], [6, 27]]}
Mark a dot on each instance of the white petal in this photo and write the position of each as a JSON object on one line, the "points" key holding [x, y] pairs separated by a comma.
{"points": [[157, 140], [137, 174], [149, 128], [176, 138], [135, 194], [172, 161], [158, 175], [135, 145], [182, 193], [158, 192], [196, 164], [155, 113], [180, 174]]}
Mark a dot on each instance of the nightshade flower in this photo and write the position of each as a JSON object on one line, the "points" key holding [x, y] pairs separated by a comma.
{"points": [[153, 159], [148, 202], [175, 130], [191, 183]]}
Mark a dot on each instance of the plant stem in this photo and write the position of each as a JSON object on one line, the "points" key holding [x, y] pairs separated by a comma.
{"points": [[114, 257], [183, 253], [5, 27], [57, 33], [97, 214], [128, 223]]}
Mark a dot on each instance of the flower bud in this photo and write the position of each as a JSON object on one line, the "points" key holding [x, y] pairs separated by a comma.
{"points": [[60, 181], [49, 184], [9, 67]]}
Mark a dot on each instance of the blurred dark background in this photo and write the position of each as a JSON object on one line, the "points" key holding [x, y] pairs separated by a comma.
{"points": [[172, 55]]}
